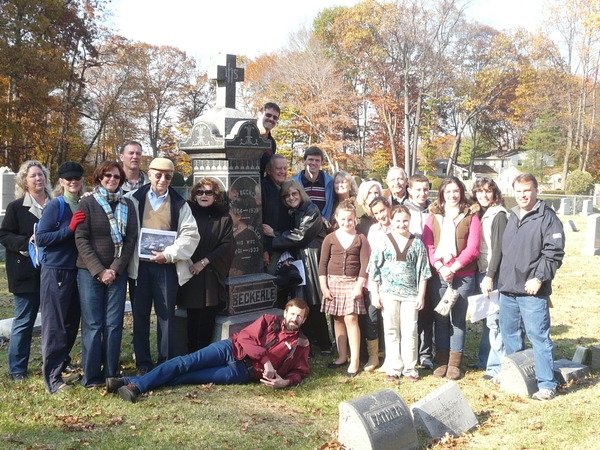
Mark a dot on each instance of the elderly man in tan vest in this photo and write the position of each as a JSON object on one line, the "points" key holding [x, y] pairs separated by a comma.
{"points": [[168, 238]]}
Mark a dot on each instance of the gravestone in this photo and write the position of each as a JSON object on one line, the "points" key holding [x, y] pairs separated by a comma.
{"points": [[7, 195], [572, 226], [517, 374], [225, 144], [582, 354], [595, 357], [587, 208], [227, 325], [565, 207], [377, 421], [7, 188], [591, 244], [445, 410], [565, 371]]}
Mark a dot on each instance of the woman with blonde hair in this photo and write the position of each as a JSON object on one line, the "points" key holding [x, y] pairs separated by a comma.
{"points": [[32, 192], [367, 191]]}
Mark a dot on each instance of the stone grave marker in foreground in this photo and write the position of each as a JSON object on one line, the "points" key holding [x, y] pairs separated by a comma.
{"points": [[582, 355], [377, 421], [444, 410], [595, 357], [566, 370], [517, 374]]}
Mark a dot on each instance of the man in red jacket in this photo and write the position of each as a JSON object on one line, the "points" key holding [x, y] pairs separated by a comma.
{"points": [[271, 350]]}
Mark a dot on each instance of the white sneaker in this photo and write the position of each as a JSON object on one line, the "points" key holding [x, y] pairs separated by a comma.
{"points": [[544, 394]]}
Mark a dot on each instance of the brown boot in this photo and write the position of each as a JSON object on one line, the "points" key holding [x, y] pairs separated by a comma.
{"points": [[373, 351], [454, 362], [441, 358]]}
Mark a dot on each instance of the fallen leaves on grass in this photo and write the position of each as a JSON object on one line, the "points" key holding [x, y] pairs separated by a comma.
{"points": [[74, 423], [332, 445]]}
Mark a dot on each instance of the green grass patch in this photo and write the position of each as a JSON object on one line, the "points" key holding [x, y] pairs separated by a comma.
{"points": [[256, 417]]}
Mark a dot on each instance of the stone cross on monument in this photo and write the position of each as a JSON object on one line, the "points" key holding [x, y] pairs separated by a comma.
{"points": [[227, 77], [225, 144]]}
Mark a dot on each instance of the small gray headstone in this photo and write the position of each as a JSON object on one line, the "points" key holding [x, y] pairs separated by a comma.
{"points": [[587, 208], [591, 245], [581, 355], [444, 410], [572, 226], [565, 371], [7, 188], [517, 374], [595, 357], [225, 326], [565, 206], [377, 421]]}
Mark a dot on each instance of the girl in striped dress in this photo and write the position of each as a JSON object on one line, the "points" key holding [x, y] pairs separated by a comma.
{"points": [[342, 276]]}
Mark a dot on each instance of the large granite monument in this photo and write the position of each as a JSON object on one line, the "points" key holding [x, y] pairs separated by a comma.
{"points": [[226, 144]]}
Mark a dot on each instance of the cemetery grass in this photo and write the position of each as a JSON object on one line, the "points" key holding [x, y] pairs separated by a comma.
{"points": [[256, 417]]}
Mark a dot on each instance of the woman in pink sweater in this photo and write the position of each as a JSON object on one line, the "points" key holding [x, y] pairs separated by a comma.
{"points": [[452, 234]]}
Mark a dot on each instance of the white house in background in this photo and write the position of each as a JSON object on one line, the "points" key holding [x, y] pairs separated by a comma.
{"points": [[554, 181], [506, 178], [500, 161]]}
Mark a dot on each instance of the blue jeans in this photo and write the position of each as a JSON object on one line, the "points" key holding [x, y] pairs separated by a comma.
{"points": [[19, 346], [156, 284], [534, 314], [102, 310], [212, 364], [450, 330]]}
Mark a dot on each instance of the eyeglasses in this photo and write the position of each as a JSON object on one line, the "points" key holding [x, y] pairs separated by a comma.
{"points": [[291, 194], [271, 116], [77, 178], [207, 193], [159, 175], [111, 175]]}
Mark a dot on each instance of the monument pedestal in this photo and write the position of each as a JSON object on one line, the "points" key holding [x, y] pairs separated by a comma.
{"points": [[228, 325]]}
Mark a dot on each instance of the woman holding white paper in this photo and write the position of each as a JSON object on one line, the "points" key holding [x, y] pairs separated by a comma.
{"points": [[493, 217]]}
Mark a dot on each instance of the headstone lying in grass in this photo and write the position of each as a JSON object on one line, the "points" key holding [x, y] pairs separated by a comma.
{"points": [[517, 374], [565, 371], [572, 226], [595, 357], [581, 356], [444, 410], [377, 421]]}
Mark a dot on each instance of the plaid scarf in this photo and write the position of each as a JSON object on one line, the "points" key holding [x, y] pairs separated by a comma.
{"points": [[118, 219]]}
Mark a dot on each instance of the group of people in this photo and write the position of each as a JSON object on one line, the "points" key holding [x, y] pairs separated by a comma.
{"points": [[90, 257], [370, 256], [394, 256]]}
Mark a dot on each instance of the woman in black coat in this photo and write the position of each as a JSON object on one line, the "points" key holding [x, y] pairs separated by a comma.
{"points": [[304, 241], [204, 294], [32, 191]]}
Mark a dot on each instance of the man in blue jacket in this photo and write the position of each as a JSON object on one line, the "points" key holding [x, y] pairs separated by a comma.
{"points": [[532, 251]]}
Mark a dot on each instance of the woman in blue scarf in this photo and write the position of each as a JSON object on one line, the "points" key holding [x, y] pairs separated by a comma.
{"points": [[106, 242]]}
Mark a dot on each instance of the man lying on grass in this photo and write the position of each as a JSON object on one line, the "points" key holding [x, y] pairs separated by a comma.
{"points": [[270, 349]]}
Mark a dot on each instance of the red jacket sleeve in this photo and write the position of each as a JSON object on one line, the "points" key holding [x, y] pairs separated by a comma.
{"points": [[248, 341]]}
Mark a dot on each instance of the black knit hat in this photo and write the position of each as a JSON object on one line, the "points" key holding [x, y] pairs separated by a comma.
{"points": [[70, 169]]}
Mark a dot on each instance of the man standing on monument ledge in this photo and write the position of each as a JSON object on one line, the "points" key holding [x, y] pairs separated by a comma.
{"points": [[267, 120], [532, 251], [271, 350]]}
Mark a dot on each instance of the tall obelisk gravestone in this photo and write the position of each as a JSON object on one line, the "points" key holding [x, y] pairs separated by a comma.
{"points": [[225, 144]]}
